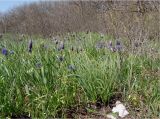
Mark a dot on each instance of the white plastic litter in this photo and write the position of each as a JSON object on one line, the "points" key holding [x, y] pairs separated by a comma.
{"points": [[121, 109]]}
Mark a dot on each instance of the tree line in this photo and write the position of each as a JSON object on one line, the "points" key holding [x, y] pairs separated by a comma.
{"points": [[132, 19]]}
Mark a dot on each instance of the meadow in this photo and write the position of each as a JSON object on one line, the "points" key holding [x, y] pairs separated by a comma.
{"points": [[78, 74]]}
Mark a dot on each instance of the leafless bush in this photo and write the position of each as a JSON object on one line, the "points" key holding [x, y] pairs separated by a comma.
{"points": [[133, 20]]}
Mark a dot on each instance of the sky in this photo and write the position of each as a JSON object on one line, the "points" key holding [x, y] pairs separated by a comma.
{"points": [[6, 5]]}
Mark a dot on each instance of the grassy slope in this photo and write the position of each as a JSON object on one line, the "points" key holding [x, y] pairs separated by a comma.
{"points": [[49, 88]]}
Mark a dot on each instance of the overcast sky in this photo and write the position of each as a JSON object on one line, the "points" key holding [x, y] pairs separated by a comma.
{"points": [[8, 4]]}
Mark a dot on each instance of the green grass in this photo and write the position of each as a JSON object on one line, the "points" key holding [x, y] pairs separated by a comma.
{"points": [[43, 91]]}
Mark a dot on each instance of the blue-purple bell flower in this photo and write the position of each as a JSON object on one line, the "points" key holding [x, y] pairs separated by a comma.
{"points": [[71, 68], [4, 51], [11, 52], [118, 45], [61, 46], [99, 45], [60, 58], [30, 45], [38, 65]]}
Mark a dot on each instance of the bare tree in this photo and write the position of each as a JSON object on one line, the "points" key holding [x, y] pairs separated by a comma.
{"points": [[133, 19]]}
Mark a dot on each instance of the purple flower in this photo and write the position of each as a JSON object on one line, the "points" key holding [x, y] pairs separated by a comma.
{"points": [[60, 58], [61, 46], [30, 46], [45, 46], [118, 45], [71, 67], [4, 51], [110, 46], [11, 52], [38, 65], [55, 40], [99, 45]]}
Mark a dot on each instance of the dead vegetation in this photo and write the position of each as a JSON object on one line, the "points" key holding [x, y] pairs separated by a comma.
{"points": [[133, 20]]}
